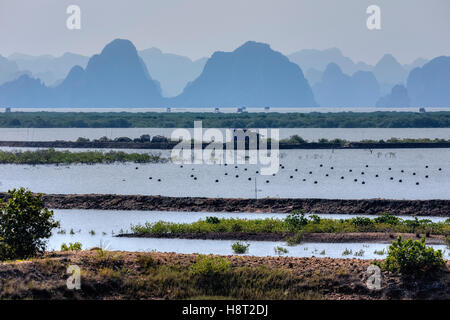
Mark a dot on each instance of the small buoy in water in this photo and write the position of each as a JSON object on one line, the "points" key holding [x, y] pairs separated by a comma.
{"points": [[245, 169], [315, 182], [417, 183], [217, 180], [414, 173], [195, 178], [362, 172], [282, 167], [267, 181], [402, 171], [249, 179], [237, 176], [326, 175], [137, 168], [257, 172], [426, 167], [426, 177], [192, 175], [150, 178], [304, 179], [159, 180], [226, 173], [321, 165], [273, 174], [235, 167], [310, 172], [440, 169], [376, 176], [390, 168], [225, 164], [392, 178], [296, 170], [367, 165], [332, 168], [350, 170], [400, 181], [292, 177], [181, 166], [355, 180], [363, 182], [342, 178]]}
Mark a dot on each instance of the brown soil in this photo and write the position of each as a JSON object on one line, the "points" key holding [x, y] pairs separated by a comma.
{"points": [[171, 145], [104, 277], [193, 204], [373, 237]]}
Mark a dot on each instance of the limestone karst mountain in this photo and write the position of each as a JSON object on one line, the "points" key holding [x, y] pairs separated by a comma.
{"points": [[251, 75]]}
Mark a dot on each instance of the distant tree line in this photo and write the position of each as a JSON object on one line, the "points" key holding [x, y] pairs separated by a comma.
{"points": [[225, 120]]}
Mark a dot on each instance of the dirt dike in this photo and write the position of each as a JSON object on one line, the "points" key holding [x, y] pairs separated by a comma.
{"points": [[439, 208], [366, 237], [170, 145], [336, 278]]}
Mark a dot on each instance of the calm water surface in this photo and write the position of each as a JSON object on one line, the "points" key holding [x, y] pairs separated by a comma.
{"points": [[334, 174], [106, 224]]}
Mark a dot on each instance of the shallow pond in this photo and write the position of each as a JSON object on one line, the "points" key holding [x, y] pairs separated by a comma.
{"points": [[96, 228], [332, 174]]}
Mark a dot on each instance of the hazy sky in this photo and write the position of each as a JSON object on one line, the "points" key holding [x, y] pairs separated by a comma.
{"points": [[197, 28]]}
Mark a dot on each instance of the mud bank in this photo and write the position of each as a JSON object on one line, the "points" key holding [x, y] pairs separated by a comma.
{"points": [[439, 208], [125, 275], [170, 145], [373, 237]]}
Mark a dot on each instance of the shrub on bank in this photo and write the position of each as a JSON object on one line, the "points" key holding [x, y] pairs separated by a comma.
{"points": [[24, 225], [296, 220], [209, 266], [71, 246], [296, 223], [412, 257]]}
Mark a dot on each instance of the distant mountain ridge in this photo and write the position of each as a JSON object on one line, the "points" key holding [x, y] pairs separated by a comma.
{"points": [[429, 86], [48, 68], [117, 77], [253, 75], [341, 90], [171, 70]]}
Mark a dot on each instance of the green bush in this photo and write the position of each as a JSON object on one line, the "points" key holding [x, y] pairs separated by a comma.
{"points": [[71, 247], [295, 239], [412, 257], [212, 220], [361, 222], [314, 218], [388, 219], [296, 220], [447, 241], [24, 224], [280, 250], [210, 266], [240, 247]]}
